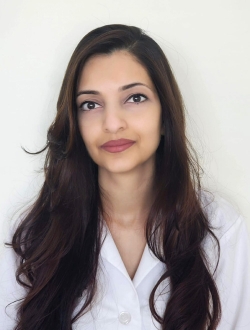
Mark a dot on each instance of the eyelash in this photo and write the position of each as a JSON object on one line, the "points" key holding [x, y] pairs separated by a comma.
{"points": [[134, 95], [138, 94]]}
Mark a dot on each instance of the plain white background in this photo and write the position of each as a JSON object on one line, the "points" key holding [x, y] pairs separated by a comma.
{"points": [[206, 42]]}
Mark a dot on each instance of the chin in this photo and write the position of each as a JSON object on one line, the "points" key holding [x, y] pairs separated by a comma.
{"points": [[127, 166], [118, 169]]}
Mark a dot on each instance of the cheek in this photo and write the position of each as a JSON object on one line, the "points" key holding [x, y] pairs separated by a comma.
{"points": [[152, 127], [154, 135], [89, 127], [86, 136], [90, 138], [149, 140]]}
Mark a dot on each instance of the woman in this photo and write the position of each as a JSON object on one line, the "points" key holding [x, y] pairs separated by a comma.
{"points": [[121, 234]]}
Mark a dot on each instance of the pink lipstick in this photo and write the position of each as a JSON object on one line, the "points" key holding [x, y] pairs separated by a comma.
{"points": [[117, 145]]}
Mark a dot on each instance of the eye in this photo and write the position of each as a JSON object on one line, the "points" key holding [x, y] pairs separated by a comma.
{"points": [[88, 105], [137, 98]]}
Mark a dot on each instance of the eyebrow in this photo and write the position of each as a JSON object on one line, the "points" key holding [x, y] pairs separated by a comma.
{"points": [[120, 89]]}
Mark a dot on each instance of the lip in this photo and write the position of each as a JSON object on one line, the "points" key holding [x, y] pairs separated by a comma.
{"points": [[120, 145]]}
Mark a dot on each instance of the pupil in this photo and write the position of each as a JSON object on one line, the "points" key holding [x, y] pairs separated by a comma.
{"points": [[137, 98], [91, 105]]}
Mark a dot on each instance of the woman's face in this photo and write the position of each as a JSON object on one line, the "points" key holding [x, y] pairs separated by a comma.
{"points": [[119, 113]]}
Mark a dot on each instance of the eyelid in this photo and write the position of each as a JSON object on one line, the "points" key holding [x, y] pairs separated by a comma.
{"points": [[137, 94], [85, 102], [92, 101]]}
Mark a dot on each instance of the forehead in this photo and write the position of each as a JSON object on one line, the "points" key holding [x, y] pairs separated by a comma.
{"points": [[119, 67]]}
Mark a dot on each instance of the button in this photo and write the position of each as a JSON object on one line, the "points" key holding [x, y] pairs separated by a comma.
{"points": [[124, 317]]}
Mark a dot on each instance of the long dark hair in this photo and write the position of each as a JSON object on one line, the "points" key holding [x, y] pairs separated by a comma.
{"points": [[59, 239]]}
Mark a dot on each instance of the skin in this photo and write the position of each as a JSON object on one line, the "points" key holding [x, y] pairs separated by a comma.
{"points": [[126, 177]]}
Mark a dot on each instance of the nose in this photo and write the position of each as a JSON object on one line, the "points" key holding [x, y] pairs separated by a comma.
{"points": [[113, 119]]}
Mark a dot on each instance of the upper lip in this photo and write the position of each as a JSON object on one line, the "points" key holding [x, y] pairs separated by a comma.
{"points": [[115, 143]]}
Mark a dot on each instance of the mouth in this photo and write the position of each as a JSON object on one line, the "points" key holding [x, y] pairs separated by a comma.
{"points": [[120, 145]]}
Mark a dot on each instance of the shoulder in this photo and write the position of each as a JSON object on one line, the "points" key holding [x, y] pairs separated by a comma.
{"points": [[222, 216], [11, 291], [230, 230], [231, 267]]}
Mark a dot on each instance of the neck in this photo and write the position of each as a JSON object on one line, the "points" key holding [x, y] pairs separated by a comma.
{"points": [[126, 198]]}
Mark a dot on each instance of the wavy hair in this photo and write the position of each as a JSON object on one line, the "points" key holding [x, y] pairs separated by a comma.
{"points": [[59, 240]]}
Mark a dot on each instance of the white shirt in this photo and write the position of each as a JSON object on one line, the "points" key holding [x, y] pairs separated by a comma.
{"points": [[122, 303]]}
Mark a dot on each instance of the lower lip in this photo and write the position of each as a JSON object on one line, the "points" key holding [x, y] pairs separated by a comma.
{"points": [[118, 148]]}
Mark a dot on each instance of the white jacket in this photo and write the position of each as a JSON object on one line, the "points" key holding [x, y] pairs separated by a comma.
{"points": [[122, 303]]}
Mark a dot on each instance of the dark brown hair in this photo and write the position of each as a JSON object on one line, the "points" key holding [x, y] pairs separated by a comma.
{"points": [[59, 239]]}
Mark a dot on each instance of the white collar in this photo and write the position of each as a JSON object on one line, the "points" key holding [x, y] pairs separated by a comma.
{"points": [[110, 252]]}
